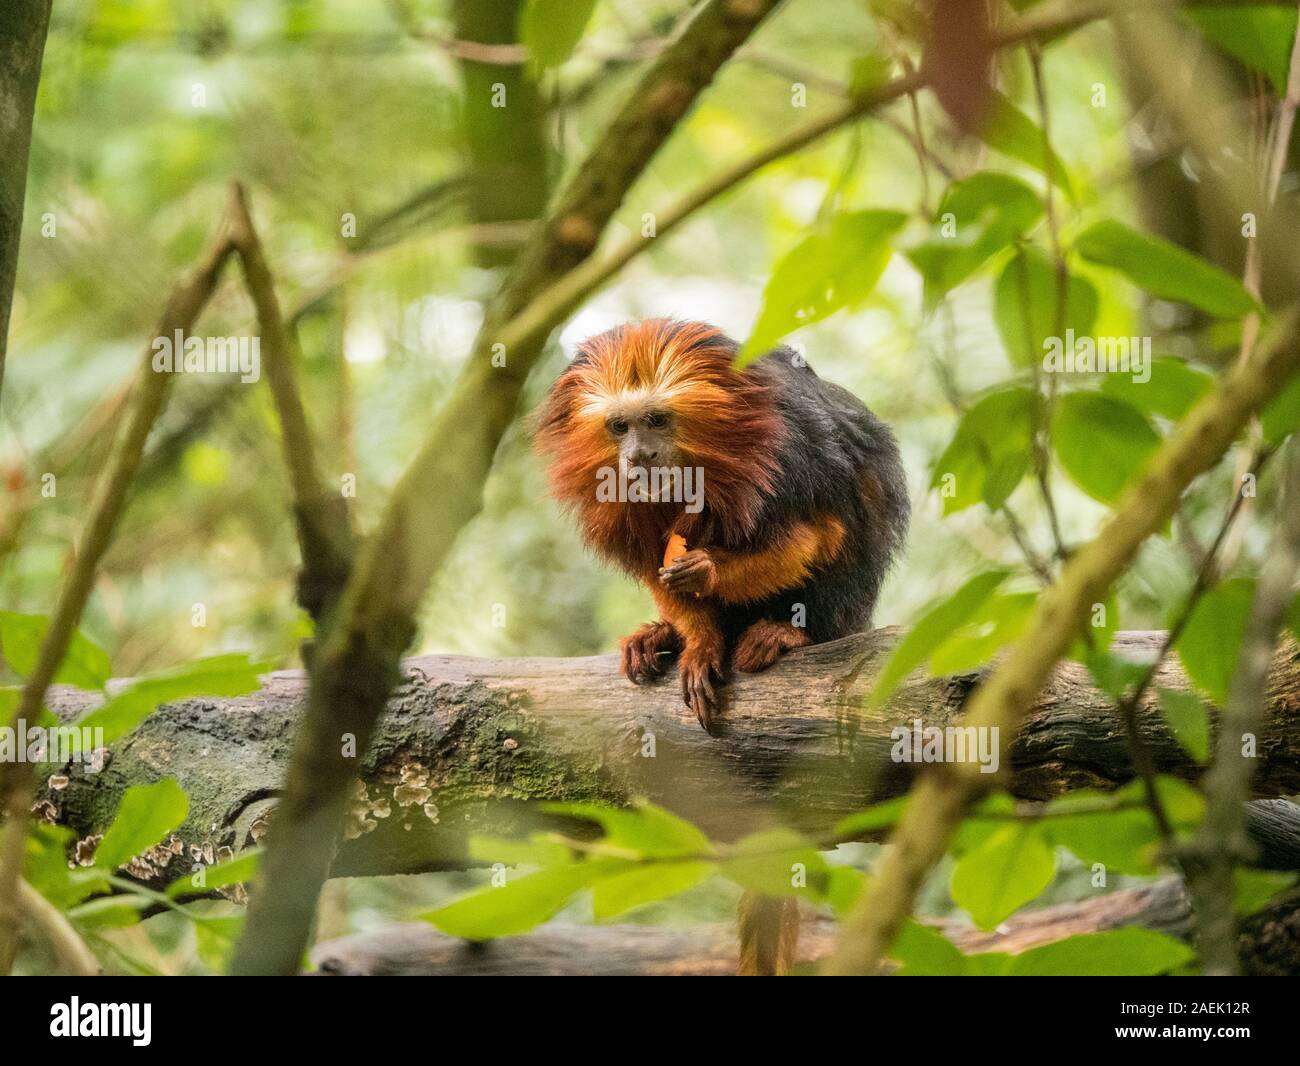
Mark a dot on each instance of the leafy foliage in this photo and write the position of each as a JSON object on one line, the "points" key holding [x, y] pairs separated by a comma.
{"points": [[823, 273], [1163, 269]]}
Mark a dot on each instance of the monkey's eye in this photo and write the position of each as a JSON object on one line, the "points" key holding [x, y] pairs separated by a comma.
{"points": [[618, 426], [657, 420]]}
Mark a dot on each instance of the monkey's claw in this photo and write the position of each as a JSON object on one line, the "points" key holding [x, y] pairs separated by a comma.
{"points": [[699, 693], [645, 654]]}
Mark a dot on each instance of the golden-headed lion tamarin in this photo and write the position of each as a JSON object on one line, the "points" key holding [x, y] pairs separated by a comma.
{"points": [[799, 497], [761, 507]]}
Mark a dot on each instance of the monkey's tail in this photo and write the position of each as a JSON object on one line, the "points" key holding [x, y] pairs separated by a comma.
{"points": [[769, 933]]}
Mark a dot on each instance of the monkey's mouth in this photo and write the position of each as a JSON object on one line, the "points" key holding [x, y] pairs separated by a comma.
{"points": [[657, 484]]}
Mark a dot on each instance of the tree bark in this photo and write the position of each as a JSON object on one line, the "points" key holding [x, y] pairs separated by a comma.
{"points": [[467, 745], [23, 26], [507, 149]]}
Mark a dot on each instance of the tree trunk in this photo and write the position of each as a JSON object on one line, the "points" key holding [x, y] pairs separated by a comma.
{"points": [[467, 744], [23, 25]]}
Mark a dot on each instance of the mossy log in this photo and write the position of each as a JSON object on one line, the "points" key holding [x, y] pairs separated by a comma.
{"points": [[469, 745]]}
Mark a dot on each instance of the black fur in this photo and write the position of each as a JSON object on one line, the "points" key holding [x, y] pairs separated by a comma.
{"points": [[833, 447]]}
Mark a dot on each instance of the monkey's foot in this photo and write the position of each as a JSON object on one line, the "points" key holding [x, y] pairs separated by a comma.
{"points": [[763, 643], [693, 572], [646, 653], [701, 671]]}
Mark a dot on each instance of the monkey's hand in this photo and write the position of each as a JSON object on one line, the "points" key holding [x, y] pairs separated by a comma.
{"points": [[693, 573], [701, 669], [646, 652]]}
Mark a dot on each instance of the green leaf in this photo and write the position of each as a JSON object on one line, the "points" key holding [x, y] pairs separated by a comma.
{"points": [[645, 829], [537, 850], [1003, 873], [233, 871], [45, 865], [1211, 640], [1029, 281], [844, 887], [1165, 270], [922, 951], [878, 816], [551, 29], [1113, 674], [978, 217], [85, 664], [1254, 889], [778, 862], [1097, 635], [990, 452], [1101, 442], [1188, 720], [522, 903], [931, 630], [1123, 836], [110, 912], [985, 819], [615, 895], [145, 816], [1128, 952], [219, 675], [998, 622], [1260, 36], [214, 940], [1013, 133], [869, 72], [823, 273], [1282, 417], [1172, 390]]}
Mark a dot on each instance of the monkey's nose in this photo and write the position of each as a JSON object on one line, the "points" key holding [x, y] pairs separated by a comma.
{"points": [[644, 458]]}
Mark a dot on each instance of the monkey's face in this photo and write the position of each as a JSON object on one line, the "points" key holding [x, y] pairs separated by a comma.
{"points": [[645, 437], [662, 398]]}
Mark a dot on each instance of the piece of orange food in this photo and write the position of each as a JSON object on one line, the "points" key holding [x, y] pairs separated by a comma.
{"points": [[675, 550]]}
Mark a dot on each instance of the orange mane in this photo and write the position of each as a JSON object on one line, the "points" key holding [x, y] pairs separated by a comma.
{"points": [[726, 421]]}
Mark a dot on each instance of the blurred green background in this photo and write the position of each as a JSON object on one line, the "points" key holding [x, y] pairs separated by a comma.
{"points": [[330, 109]]}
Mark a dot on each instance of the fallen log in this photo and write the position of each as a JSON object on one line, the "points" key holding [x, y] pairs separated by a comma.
{"points": [[467, 745], [1269, 941]]}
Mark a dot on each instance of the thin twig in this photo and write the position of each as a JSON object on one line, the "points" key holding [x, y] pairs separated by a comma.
{"points": [[1222, 841], [1127, 708], [71, 950], [1042, 405], [324, 530]]}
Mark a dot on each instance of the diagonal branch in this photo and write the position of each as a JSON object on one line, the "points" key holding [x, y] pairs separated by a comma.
{"points": [[356, 664], [1195, 445], [441, 490], [938, 803], [184, 305], [324, 529]]}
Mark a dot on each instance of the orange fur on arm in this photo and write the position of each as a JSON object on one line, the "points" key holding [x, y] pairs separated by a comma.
{"points": [[694, 619], [743, 577]]}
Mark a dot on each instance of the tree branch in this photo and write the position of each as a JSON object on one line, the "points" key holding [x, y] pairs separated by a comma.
{"points": [[71, 950], [471, 746], [357, 661], [1195, 445], [321, 517], [184, 305], [23, 26]]}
